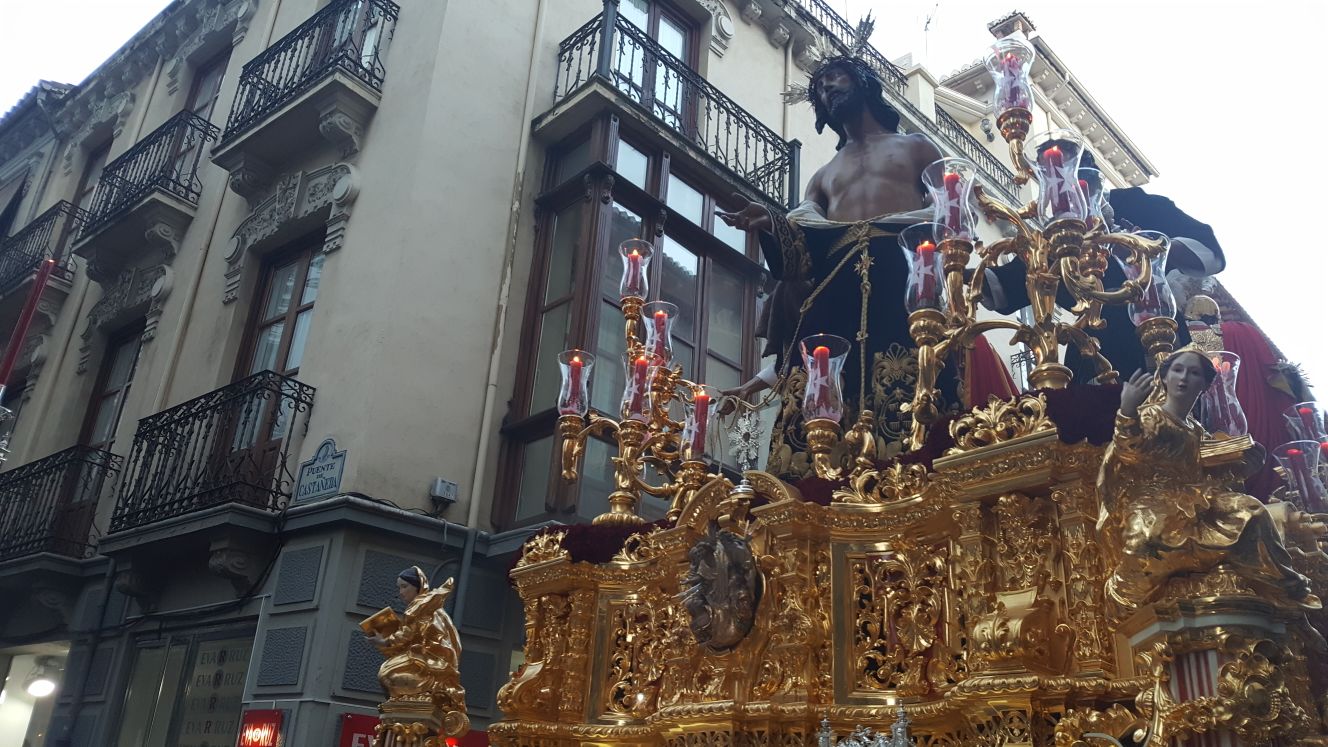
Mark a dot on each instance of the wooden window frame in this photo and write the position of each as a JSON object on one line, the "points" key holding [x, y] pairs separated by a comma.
{"points": [[132, 333], [598, 187], [307, 246]]}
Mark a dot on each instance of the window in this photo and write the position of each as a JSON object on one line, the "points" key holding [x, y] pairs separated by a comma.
{"points": [[185, 692], [710, 274], [202, 101], [92, 167], [112, 389], [11, 196], [654, 80], [285, 311]]}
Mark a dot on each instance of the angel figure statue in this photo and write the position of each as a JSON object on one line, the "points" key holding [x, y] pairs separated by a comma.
{"points": [[423, 651], [1166, 511]]}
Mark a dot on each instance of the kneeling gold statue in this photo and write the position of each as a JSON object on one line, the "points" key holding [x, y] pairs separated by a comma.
{"points": [[1167, 512], [421, 673]]}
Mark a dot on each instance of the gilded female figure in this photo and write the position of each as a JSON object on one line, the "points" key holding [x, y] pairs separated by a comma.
{"points": [[1165, 514], [423, 648]]}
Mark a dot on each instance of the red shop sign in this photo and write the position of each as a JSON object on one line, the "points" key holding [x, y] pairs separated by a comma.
{"points": [[357, 730], [260, 728]]}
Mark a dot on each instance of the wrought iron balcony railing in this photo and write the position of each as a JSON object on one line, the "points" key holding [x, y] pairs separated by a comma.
{"points": [[347, 36], [46, 237], [231, 445], [612, 49], [944, 127], [166, 161], [48, 505]]}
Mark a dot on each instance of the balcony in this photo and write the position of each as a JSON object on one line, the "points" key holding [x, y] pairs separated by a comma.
{"points": [[611, 58], [323, 79], [47, 506], [230, 446], [146, 198], [46, 237]]}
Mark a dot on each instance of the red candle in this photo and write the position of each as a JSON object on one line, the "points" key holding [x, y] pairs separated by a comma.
{"points": [[24, 321], [636, 402], [955, 213], [632, 286], [1011, 68], [1312, 426], [661, 336], [574, 383], [926, 274], [821, 364], [700, 416]]}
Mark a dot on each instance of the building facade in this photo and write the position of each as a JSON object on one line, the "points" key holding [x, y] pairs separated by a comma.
{"points": [[313, 262]]}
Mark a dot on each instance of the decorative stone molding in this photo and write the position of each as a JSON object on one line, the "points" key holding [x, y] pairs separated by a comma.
{"points": [[163, 230], [212, 19], [807, 57], [779, 35], [722, 26], [113, 113], [296, 195], [751, 11], [137, 291], [59, 601]]}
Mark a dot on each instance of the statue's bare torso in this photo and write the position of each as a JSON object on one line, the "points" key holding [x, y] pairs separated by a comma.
{"points": [[875, 176]]}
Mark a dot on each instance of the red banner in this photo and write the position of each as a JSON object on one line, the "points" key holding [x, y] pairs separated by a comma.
{"points": [[357, 730]]}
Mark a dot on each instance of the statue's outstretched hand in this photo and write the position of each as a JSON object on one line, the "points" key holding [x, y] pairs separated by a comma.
{"points": [[752, 216], [1134, 392]]}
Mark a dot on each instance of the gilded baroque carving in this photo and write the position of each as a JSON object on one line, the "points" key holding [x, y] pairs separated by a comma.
{"points": [[1000, 421]]}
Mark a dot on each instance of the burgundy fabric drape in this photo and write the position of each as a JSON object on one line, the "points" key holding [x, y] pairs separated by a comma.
{"points": [[1263, 403], [985, 375]]}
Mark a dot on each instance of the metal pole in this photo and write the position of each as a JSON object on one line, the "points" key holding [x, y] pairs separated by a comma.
{"points": [[610, 22], [794, 177]]}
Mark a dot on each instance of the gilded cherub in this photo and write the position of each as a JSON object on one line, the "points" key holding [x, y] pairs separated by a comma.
{"points": [[422, 648], [1164, 513]]}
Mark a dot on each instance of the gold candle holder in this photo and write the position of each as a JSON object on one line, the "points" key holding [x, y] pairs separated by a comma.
{"points": [[1158, 337], [822, 437]]}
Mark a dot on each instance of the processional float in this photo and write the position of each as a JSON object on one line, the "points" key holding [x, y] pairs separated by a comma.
{"points": [[985, 588]]}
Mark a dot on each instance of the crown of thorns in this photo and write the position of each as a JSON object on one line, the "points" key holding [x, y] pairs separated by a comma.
{"points": [[825, 50]]}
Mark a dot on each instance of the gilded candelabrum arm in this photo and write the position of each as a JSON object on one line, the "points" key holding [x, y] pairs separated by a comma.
{"points": [[822, 436], [632, 435], [996, 210], [1089, 347], [574, 431], [691, 476], [1089, 287], [631, 311]]}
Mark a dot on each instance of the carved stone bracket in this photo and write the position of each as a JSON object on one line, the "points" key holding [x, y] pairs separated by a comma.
{"points": [[112, 113], [342, 118], [250, 176], [240, 564], [60, 601], [141, 290], [296, 195]]}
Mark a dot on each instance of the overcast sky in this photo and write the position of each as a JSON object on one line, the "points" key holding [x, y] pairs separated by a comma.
{"points": [[1217, 95]]}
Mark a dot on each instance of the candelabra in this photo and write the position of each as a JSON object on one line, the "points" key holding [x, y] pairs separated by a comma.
{"points": [[646, 431], [1061, 238]]}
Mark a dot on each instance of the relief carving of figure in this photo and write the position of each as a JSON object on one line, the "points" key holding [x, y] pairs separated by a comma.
{"points": [[1166, 513], [722, 589], [422, 648]]}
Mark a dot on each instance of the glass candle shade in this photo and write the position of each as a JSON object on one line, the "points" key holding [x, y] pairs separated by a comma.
{"points": [[1008, 62], [1300, 464], [950, 182], [636, 255], [574, 394], [658, 318], [823, 357], [636, 392], [1055, 159], [1090, 183], [925, 286], [1222, 411], [1157, 299], [700, 427], [1305, 422]]}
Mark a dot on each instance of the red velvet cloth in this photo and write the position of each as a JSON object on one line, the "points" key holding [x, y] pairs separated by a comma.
{"points": [[985, 375], [1263, 403]]}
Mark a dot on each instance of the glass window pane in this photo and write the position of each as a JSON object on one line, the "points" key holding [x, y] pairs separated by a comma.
{"points": [[672, 37], [108, 411], [298, 337], [266, 348], [724, 327], [633, 165], [573, 160], [721, 375], [141, 697], [210, 709], [563, 253], [536, 459], [636, 11], [684, 200], [609, 377], [730, 235], [312, 279], [124, 356], [623, 225], [596, 480], [679, 285], [682, 355], [279, 293], [552, 341]]}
